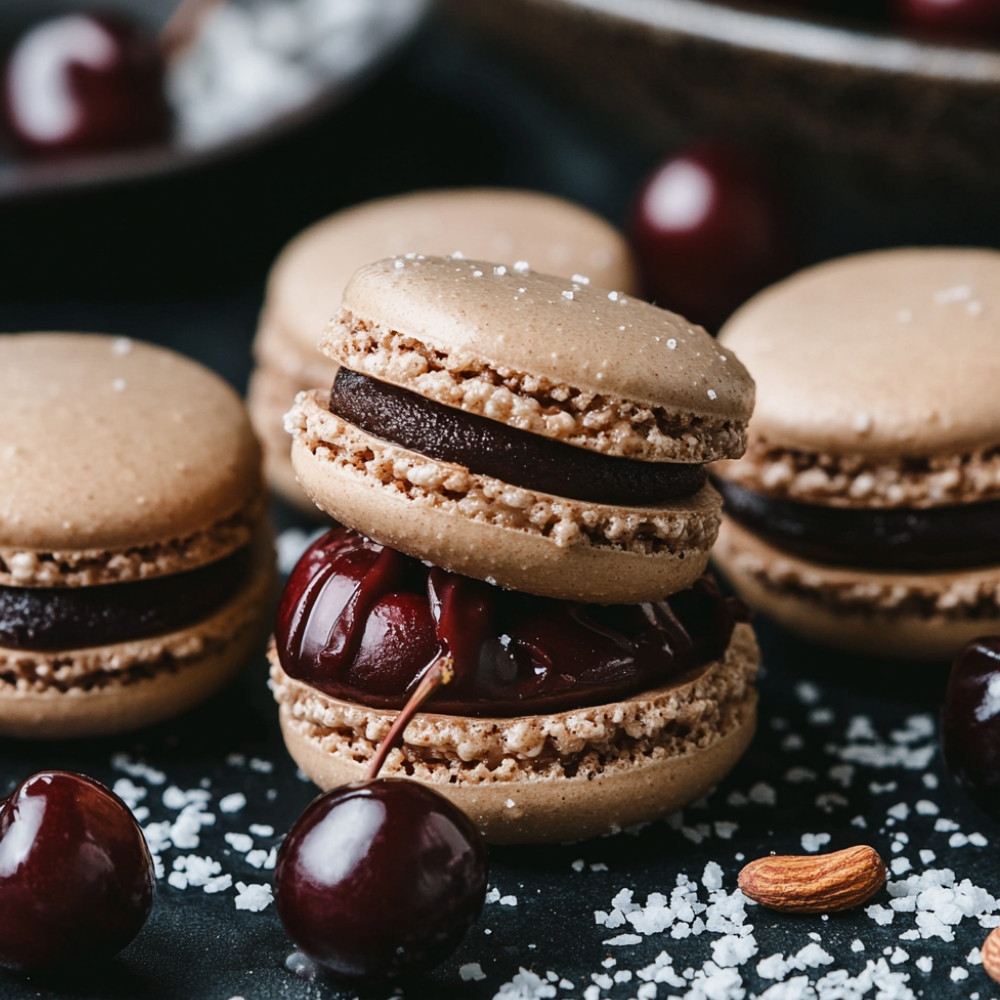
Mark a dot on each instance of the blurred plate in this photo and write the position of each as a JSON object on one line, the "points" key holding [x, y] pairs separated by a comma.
{"points": [[845, 90], [257, 69]]}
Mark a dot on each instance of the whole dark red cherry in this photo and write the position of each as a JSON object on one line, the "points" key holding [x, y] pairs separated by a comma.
{"points": [[380, 879], [970, 722], [84, 82], [76, 878], [709, 230], [962, 20]]}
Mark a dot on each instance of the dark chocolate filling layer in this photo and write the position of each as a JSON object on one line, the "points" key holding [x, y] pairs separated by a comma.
{"points": [[959, 536], [491, 448], [53, 618]]}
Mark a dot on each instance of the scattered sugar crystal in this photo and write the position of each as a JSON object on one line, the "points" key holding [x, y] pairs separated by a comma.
{"points": [[924, 963], [712, 394], [261, 829], [499, 270], [900, 810], [762, 794], [925, 807], [712, 876], [857, 945], [253, 897], [724, 829], [944, 825], [580, 279], [598, 866], [812, 842], [927, 857], [232, 803], [129, 792], [930, 780], [522, 267], [471, 971], [613, 296], [508, 900], [671, 343], [900, 866], [567, 294], [958, 840], [958, 973], [239, 842], [899, 956], [623, 939], [977, 840], [798, 775]]}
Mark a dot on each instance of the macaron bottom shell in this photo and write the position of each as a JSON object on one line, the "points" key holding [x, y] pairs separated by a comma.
{"points": [[548, 778], [481, 527], [101, 690], [895, 615]]}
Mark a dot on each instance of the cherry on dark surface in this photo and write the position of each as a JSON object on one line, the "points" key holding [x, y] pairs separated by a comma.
{"points": [[76, 877], [380, 879], [84, 83], [970, 722], [709, 230], [975, 21], [361, 622]]}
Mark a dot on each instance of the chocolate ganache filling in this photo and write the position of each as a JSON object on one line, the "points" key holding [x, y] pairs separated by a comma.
{"points": [[55, 618], [492, 448], [958, 536], [362, 622]]}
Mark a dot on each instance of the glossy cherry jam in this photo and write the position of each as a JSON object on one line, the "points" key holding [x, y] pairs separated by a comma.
{"points": [[76, 877], [380, 879], [361, 621], [970, 723]]}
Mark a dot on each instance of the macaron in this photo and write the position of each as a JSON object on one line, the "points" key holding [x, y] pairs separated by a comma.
{"points": [[520, 461], [135, 561], [866, 510], [307, 279]]}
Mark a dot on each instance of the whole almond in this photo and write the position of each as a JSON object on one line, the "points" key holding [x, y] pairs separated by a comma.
{"points": [[815, 883], [991, 954]]}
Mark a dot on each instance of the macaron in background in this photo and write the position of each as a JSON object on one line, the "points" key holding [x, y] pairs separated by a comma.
{"points": [[136, 567], [865, 512], [522, 457], [306, 281]]}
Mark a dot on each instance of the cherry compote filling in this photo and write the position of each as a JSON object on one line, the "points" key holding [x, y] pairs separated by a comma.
{"points": [[362, 622], [50, 618], [492, 448]]}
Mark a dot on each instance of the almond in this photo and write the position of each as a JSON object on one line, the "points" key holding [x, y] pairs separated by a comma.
{"points": [[815, 883], [991, 954]]}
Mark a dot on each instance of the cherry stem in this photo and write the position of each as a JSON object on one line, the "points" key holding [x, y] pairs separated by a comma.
{"points": [[182, 27], [441, 671]]}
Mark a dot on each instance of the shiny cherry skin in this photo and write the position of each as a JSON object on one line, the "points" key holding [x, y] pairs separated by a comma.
{"points": [[970, 722], [380, 879], [976, 21], [76, 878], [84, 83], [709, 230]]}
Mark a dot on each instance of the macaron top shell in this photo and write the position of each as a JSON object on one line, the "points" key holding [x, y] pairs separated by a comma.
{"points": [[889, 353], [642, 381], [496, 224], [112, 444]]}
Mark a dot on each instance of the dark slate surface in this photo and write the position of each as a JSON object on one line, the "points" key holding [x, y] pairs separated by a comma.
{"points": [[182, 263]]}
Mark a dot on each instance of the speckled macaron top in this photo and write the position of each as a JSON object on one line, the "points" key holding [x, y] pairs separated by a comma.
{"points": [[558, 357], [496, 224], [119, 460], [889, 353]]}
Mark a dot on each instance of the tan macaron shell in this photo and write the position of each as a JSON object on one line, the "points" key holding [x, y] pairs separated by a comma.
{"points": [[100, 690], [916, 616], [889, 353], [305, 285], [640, 366], [546, 778], [120, 457], [481, 527]]}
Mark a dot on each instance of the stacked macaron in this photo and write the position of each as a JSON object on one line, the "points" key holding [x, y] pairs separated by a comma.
{"points": [[522, 457], [306, 282], [866, 511], [135, 563]]}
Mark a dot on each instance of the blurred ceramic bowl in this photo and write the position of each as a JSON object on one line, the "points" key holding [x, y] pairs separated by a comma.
{"points": [[844, 90], [254, 70]]}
